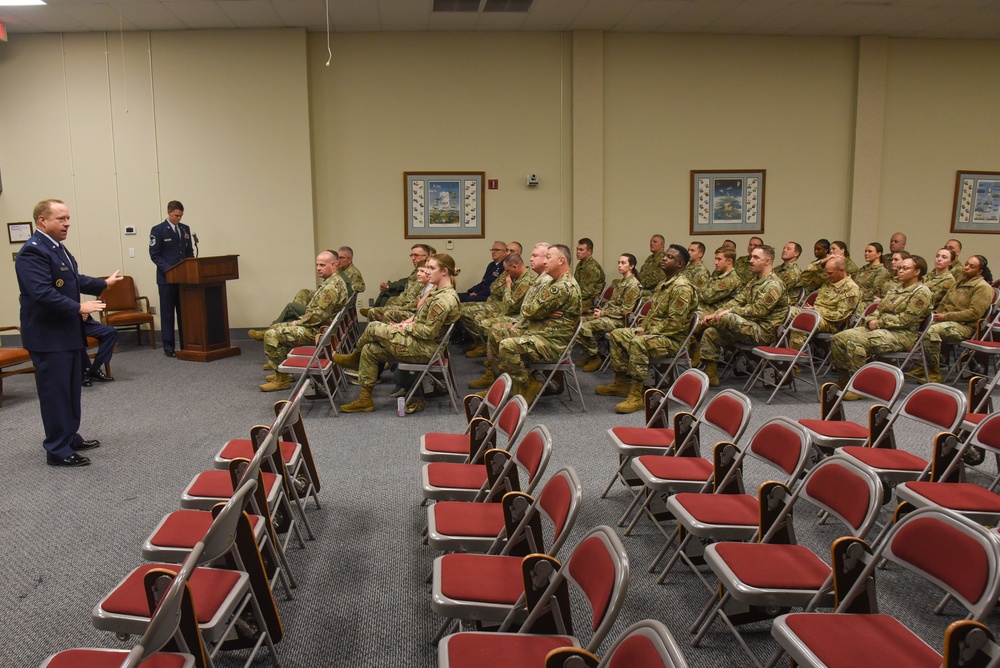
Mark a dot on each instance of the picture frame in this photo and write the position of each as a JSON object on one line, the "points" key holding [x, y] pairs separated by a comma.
{"points": [[444, 205], [976, 209], [18, 233], [727, 201]]}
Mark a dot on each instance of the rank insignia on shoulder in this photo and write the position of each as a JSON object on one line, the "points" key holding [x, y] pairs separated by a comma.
{"points": [[60, 282]]}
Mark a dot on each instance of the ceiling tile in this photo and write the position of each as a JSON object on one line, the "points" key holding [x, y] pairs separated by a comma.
{"points": [[647, 15], [199, 14], [698, 15], [555, 15]]}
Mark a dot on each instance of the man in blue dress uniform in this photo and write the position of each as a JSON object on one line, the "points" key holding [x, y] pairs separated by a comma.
{"points": [[169, 243], [52, 329]]}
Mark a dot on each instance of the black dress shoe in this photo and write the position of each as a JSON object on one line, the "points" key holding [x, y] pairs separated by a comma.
{"points": [[100, 376], [86, 380], [169, 353], [87, 445], [72, 460]]}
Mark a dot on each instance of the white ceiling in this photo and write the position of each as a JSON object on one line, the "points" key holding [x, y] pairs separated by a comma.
{"points": [[965, 19]]}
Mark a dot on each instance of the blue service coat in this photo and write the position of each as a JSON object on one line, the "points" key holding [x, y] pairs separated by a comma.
{"points": [[167, 249]]}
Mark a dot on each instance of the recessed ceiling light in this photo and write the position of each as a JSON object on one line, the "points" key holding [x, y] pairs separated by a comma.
{"points": [[20, 3]]}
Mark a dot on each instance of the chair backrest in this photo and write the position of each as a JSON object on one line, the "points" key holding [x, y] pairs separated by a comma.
{"points": [[805, 322], [222, 533], [641, 311], [121, 296], [811, 298], [166, 618], [934, 405], [645, 644], [987, 434], [608, 293], [531, 455], [498, 393], [598, 569], [688, 392], [950, 551], [871, 308], [558, 504], [508, 423], [850, 492], [729, 412], [781, 444], [879, 381]]}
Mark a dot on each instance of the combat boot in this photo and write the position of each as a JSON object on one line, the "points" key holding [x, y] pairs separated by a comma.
{"points": [[348, 361], [484, 382], [633, 402], [363, 404], [282, 381], [916, 372], [363, 312], [271, 377], [712, 371], [257, 334], [933, 375], [531, 390], [593, 363], [479, 350], [619, 387], [694, 352]]}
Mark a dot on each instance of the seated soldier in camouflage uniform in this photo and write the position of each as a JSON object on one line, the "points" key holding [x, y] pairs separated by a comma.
{"points": [[721, 287], [389, 292], [659, 335], [610, 316], [512, 285], [812, 276], [837, 300], [511, 324], [742, 265], [474, 311], [891, 328], [589, 274], [839, 248], [324, 305], [297, 307], [752, 316], [349, 271], [940, 280], [695, 271], [413, 341], [956, 316], [873, 275], [788, 271], [650, 273], [957, 266], [550, 320]]}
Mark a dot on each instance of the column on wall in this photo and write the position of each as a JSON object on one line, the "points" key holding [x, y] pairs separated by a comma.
{"points": [[588, 138], [866, 178]]}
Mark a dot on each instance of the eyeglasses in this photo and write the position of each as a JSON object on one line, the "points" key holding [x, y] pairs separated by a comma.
{"points": [[498, 250], [417, 255]]}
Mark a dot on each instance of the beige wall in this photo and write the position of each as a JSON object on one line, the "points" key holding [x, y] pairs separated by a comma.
{"points": [[276, 155], [391, 103], [218, 120]]}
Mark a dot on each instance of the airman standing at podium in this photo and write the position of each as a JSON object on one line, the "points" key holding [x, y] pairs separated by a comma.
{"points": [[169, 243]]}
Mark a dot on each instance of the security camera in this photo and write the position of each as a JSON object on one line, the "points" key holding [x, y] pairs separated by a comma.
{"points": [[532, 179]]}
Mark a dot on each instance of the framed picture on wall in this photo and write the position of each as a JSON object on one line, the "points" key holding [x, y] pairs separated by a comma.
{"points": [[727, 202], [977, 203], [18, 233], [444, 205]]}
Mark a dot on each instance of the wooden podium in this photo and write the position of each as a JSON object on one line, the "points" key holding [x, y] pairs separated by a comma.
{"points": [[204, 307]]}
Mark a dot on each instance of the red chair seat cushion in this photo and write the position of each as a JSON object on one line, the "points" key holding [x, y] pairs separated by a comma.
{"points": [[729, 509], [241, 448], [184, 528], [677, 468], [460, 518], [645, 437], [301, 362], [771, 350], [885, 458], [500, 650], [975, 418], [218, 484], [862, 640], [108, 658], [209, 589], [441, 442], [482, 577], [767, 566], [302, 351], [456, 476], [958, 495], [835, 428]]}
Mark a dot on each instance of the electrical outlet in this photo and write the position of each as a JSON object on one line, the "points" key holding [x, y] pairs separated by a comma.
{"points": [[450, 245], [152, 310], [131, 252]]}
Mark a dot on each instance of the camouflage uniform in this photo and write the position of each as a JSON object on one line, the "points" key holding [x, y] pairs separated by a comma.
{"points": [[720, 289], [698, 276], [321, 309], [662, 332], [382, 342], [851, 267], [939, 284], [898, 317], [813, 276], [354, 278], [872, 279], [650, 274], [835, 303], [541, 336], [756, 311], [589, 276], [473, 312], [613, 316], [742, 268], [962, 307], [393, 314], [513, 299], [956, 270], [790, 275], [407, 301]]}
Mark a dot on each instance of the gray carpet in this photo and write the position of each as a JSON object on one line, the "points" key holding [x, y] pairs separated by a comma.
{"points": [[70, 535]]}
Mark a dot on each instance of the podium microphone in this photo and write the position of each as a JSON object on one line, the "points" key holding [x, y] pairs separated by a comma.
{"points": [[195, 237]]}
